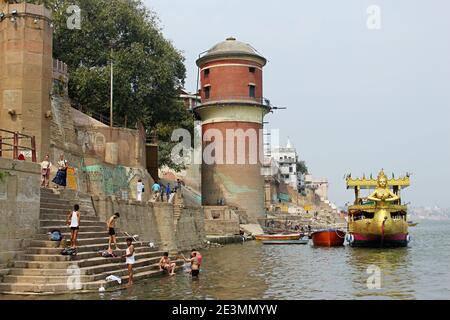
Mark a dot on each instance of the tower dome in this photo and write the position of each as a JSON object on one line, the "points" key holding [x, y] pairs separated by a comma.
{"points": [[232, 48]]}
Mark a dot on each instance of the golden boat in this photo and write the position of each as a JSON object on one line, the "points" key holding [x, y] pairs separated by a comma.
{"points": [[380, 219]]}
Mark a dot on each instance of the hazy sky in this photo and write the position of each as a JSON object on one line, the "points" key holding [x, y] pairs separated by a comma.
{"points": [[358, 99]]}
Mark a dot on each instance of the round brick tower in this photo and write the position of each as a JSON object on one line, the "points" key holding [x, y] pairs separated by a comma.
{"points": [[232, 110]]}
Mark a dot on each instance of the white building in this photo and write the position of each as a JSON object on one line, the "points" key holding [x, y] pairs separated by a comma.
{"points": [[287, 159], [320, 186]]}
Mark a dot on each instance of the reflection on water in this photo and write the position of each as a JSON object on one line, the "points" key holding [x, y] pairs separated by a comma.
{"points": [[255, 271]]}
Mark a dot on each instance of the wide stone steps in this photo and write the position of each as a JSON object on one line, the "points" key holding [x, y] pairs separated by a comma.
{"points": [[46, 243], [39, 247], [62, 216], [66, 229], [62, 264], [62, 223], [52, 201], [118, 270], [59, 288], [81, 235], [82, 251], [60, 206]]}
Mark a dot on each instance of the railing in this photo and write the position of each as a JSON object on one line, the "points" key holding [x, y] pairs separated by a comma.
{"points": [[12, 141], [246, 99]]}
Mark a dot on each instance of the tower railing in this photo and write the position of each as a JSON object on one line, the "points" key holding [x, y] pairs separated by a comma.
{"points": [[229, 99], [14, 142]]}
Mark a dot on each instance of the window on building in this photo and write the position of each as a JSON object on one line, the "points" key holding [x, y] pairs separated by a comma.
{"points": [[207, 92], [290, 169], [206, 72], [252, 69], [252, 91]]}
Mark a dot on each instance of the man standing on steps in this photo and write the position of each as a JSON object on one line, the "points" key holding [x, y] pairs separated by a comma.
{"points": [[156, 188], [111, 224], [73, 219]]}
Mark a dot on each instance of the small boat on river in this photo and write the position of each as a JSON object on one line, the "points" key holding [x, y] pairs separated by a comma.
{"points": [[281, 242], [328, 238], [279, 236], [412, 224]]}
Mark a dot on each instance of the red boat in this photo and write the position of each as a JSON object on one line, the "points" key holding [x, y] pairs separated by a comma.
{"points": [[328, 238]]}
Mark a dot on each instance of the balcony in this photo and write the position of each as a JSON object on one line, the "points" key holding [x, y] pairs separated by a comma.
{"points": [[261, 101]]}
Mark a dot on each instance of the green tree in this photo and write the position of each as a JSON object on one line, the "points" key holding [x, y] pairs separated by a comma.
{"points": [[148, 69], [301, 167]]}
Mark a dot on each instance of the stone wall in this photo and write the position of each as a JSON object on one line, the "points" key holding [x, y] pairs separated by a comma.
{"points": [[155, 222], [19, 207], [220, 220]]}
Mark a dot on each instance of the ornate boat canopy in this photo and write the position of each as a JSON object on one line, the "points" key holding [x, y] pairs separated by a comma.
{"points": [[372, 183]]}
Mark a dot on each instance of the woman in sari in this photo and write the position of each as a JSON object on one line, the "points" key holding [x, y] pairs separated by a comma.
{"points": [[61, 176]]}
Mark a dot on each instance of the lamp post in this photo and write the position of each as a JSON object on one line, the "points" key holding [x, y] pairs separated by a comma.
{"points": [[112, 89]]}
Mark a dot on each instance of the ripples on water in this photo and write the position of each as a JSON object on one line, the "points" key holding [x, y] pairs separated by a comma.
{"points": [[254, 271]]}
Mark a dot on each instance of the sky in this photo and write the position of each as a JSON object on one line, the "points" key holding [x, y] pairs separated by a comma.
{"points": [[358, 99]]}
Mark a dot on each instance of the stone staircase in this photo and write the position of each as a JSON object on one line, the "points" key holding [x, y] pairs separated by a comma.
{"points": [[43, 270]]}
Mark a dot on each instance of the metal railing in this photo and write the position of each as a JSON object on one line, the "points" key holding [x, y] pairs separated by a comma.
{"points": [[246, 99], [11, 141]]}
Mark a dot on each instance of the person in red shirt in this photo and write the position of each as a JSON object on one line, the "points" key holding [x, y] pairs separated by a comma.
{"points": [[199, 257]]}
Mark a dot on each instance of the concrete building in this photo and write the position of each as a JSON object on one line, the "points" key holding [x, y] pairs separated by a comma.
{"points": [[287, 159], [320, 186], [26, 71], [231, 75], [190, 100]]}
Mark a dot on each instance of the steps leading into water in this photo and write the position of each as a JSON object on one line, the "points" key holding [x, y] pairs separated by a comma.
{"points": [[43, 270]]}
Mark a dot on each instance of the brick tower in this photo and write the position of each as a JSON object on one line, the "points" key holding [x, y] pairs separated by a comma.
{"points": [[26, 71], [233, 108]]}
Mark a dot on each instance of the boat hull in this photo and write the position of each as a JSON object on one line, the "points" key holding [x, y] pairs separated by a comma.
{"points": [[294, 236], [328, 238], [376, 241], [284, 242]]}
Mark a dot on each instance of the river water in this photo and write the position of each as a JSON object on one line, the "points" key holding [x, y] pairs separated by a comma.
{"points": [[255, 271]]}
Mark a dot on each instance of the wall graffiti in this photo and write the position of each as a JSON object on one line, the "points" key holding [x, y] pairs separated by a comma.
{"points": [[108, 180]]}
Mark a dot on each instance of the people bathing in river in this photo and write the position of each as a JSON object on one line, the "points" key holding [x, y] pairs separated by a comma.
{"points": [[195, 267], [73, 220], [130, 260], [45, 171], [111, 225], [61, 176], [166, 264], [199, 257]]}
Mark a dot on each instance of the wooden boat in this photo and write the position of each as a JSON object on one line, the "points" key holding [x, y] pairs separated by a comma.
{"points": [[412, 224], [379, 220], [279, 242], [291, 236], [328, 238]]}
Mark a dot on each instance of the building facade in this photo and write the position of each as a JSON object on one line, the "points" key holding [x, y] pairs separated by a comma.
{"points": [[287, 159]]}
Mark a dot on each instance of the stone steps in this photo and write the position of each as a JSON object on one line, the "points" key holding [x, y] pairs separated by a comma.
{"points": [[85, 249], [81, 235], [66, 229], [66, 261], [59, 288], [54, 215], [84, 223], [60, 206], [46, 243], [54, 248]]}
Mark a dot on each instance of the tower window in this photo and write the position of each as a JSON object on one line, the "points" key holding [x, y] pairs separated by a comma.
{"points": [[252, 69], [252, 91], [207, 92], [206, 72]]}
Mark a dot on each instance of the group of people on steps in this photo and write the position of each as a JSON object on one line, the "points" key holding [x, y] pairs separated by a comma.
{"points": [[165, 264]]}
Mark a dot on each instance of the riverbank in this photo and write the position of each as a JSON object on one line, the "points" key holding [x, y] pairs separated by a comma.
{"points": [[254, 271]]}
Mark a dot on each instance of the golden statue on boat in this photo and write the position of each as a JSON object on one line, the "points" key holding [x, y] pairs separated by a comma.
{"points": [[380, 219]]}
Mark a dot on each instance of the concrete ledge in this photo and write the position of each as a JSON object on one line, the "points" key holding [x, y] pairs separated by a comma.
{"points": [[224, 239]]}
